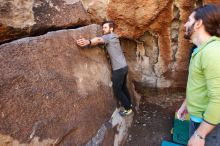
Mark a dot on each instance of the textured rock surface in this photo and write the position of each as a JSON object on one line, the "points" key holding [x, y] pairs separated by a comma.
{"points": [[155, 25], [114, 132], [212, 2], [51, 91], [97, 9], [134, 19], [19, 18], [157, 30], [161, 52]]}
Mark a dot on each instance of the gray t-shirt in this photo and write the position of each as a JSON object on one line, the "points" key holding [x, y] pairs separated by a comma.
{"points": [[114, 50]]}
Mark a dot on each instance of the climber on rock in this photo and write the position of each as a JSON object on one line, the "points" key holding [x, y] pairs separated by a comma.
{"points": [[119, 66]]}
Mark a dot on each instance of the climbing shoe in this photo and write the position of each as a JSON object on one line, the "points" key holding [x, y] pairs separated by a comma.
{"points": [[125, 112]]}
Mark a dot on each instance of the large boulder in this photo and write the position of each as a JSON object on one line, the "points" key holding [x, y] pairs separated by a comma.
{"points": [[52, 91], [33, 17]]}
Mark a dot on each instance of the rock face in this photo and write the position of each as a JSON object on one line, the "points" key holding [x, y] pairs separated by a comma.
{"points": [[53, 92], [133, 20], [158, 42], [97, 9], [155, 30], [154, 26], [19, 18], [212, 2]]}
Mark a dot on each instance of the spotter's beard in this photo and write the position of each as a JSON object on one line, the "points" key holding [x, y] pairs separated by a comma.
{"points": [[188, 32]]}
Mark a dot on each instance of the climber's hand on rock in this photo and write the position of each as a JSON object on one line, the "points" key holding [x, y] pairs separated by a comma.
{"points": [[82, 42]]}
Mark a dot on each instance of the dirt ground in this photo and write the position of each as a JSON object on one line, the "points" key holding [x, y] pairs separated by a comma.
{"points": [[154, 121]]}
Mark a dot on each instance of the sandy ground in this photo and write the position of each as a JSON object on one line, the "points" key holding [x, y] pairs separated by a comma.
{"points": [[154, 121]]}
